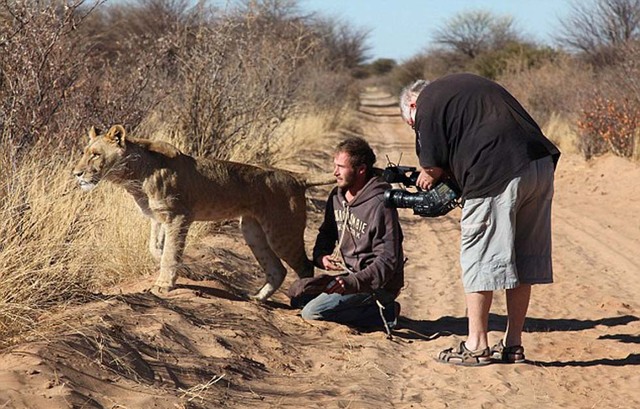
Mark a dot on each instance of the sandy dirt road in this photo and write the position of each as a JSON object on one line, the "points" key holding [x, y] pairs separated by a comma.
{"points": [[207, 346]]}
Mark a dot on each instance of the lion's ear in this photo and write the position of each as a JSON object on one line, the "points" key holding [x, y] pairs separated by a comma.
{"points": [[93, 133], [117, 135]]}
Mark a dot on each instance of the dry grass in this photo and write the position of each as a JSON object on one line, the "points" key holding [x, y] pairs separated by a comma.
{"points": [[305, 132], [58, 245], [562, 131]]}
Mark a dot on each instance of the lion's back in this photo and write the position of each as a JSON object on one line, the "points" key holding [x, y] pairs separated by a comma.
{"points": [[225, 189]]}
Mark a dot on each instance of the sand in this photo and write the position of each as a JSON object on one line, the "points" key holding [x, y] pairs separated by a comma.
{"points": [[207, 346]]}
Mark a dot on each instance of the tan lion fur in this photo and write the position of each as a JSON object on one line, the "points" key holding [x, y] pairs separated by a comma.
{"points": [[174, 190]]}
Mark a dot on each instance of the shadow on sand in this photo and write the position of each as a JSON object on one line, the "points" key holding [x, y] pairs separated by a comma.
{"points": [[458, 325], [631, 359], [446, 326]]}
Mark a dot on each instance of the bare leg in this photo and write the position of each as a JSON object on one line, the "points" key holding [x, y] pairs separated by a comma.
{"points": [[517, 306], [478, 306]]}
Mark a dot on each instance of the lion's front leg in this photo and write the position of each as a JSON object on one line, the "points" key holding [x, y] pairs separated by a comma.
{"points": [[156, 240], [175, 235]]}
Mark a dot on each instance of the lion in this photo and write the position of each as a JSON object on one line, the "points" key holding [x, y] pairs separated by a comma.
{"points": [[174, 190]]}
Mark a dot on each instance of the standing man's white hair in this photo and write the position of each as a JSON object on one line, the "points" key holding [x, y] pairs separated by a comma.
{"points": [[408, 95]]}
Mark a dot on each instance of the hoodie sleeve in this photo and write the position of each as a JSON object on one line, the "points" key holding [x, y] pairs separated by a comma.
{"points": [[387, 255], [328, 232]]}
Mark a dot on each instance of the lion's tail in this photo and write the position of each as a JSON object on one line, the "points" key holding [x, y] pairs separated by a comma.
{"points": [[318, 180]]}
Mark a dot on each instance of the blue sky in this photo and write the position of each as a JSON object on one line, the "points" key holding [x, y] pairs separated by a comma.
{"points": [[403, 28]]}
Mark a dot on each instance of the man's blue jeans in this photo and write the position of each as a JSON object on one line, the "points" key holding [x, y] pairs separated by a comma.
{"points": [[359, 309]]}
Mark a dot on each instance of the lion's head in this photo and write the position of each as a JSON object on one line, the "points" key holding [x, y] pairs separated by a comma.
{"points": [[102, 157]]}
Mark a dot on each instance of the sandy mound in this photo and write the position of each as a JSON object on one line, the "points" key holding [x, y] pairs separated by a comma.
{"points": [[207, 346]]}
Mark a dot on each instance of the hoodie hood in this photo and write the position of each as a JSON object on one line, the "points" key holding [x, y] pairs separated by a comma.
{"points": [[374, 189]]}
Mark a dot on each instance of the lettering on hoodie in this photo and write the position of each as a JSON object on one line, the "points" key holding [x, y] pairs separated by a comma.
{"points": [[355, 226]]}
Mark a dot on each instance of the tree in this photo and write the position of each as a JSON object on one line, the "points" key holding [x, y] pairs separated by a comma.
{"points": [[346, 46], [598, 28], [382, 66], [474, 32]]}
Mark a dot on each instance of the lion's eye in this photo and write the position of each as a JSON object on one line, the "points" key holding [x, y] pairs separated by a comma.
{"points": [[95, 155]]}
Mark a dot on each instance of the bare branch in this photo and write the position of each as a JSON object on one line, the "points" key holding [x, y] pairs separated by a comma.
{"points": [[474, 32]]}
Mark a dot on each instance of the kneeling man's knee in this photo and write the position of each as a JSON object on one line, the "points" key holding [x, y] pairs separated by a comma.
{"points": [[310, 314]]}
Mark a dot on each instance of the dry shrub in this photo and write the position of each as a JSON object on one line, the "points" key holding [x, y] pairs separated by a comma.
{"points": [[326, 93], [609, 115], [218, 79], [556, 87], [427, 66], [242, 75], [579, 109], [609, 124], [57, 77], [38, 67]]}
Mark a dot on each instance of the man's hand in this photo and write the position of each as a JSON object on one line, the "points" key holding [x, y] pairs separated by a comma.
{"points": [[330, 264], [336, 286], [428, 177]]}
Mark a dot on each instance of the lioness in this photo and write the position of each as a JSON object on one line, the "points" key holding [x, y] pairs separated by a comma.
{"points": [[174, 190]]}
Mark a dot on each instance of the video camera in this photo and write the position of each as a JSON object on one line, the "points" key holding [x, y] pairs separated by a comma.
{"points": [[438, 201]]}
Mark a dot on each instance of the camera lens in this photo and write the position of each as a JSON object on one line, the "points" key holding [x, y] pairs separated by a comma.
{"points": [[399, 198]]}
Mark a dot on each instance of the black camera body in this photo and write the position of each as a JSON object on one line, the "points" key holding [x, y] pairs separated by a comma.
{"points": [[438, 201], [405, 175]]}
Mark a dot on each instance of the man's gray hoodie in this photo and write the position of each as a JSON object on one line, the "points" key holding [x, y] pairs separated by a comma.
{"points": [[372, 243]]}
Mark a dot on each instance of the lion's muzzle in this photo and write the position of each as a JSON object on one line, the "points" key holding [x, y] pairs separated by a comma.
{"points": [[83, 183]]}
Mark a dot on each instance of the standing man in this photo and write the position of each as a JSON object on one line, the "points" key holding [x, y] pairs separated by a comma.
{"points": [[360, 243], [474, 129]]}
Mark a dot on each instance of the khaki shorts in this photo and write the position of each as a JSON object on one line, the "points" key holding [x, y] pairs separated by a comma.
{"points": [[506, 239]]}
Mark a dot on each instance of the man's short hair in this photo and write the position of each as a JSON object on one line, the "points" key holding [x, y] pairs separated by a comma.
{"points": [[359, 152], [407, 94]]}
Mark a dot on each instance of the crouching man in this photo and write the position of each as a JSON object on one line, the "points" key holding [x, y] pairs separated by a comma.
{"points": [[360, 245]]}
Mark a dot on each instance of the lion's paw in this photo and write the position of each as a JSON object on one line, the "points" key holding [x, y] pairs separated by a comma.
{"points": [[160, 290], [257, 298]]}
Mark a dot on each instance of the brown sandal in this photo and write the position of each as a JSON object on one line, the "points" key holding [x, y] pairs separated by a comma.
{"points": [[508, 355], [464, 356]]}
